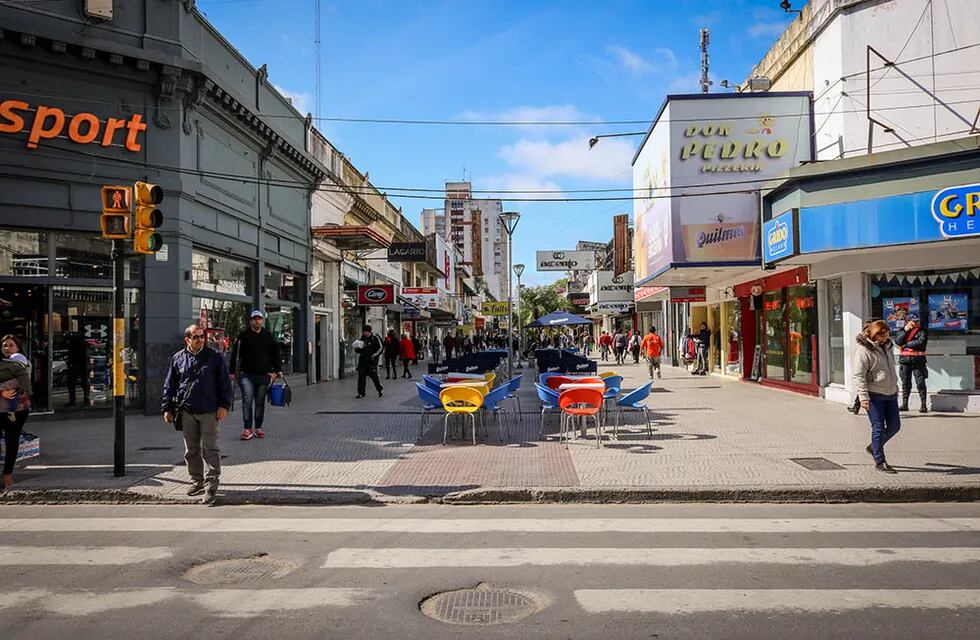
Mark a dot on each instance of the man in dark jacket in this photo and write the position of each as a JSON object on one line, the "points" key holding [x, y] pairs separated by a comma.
{"points": [[368, 348], [392, 350], [196, 397], [255, 360], [912, 340]]}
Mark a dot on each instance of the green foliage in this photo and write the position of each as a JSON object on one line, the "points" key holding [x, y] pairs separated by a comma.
{"points": [[540, 301]]}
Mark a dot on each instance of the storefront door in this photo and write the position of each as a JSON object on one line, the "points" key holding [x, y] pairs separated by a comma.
{"points": [[23, 310], [788, 331]]}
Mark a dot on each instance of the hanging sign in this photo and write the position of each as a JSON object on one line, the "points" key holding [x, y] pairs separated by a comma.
{"points": [[369, 295], [494, 308]]}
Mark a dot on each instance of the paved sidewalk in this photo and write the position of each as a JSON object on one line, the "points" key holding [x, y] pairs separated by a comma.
{"points": [[714, 439]]}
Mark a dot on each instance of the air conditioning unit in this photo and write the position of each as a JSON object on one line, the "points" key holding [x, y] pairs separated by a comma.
{"points": [[99, 9]]}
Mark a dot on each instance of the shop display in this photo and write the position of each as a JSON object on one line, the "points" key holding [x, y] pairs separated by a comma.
{"points": [[949, 312], [897, 310]]}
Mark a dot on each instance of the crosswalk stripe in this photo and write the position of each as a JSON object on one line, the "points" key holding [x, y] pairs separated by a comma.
{"points": [[475, 525], [231, 603], [690, 601], [388, 558], [24, 555]]}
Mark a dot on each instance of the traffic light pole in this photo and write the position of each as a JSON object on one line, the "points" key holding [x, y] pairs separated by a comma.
{"points": [[118, 373]]}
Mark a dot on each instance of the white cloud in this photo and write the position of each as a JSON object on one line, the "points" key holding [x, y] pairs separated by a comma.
{"points": [[571, 158], [706, 19], [302, 102], [688, 83], [663, 59], [770, 29], [530, 115]]}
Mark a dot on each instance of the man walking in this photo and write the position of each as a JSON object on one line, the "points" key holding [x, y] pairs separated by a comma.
{"points": [[912, 340], [652, 346], [255, 362], [196, 397], [619, 346], [634, 346], [368, 348], [391, 355]]}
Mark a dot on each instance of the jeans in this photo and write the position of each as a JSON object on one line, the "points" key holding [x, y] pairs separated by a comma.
{"points": [[11, 438], [702, 362], [201, 446], [254, 389], [885, 422], [391, 366]]}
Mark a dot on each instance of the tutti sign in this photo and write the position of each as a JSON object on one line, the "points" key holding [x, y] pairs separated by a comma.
{"points": [[369, 295]]}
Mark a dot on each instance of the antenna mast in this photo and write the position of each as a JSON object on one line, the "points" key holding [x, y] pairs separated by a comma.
{"points": [[316, 55], [705, 41]]}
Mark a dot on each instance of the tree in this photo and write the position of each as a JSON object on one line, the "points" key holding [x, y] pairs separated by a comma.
{"points": [[542, 300]]}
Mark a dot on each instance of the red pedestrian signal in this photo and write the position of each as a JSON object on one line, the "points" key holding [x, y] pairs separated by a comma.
{"points": [[115, 212]]}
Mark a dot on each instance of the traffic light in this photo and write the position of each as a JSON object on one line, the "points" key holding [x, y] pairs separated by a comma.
{"points": [[147, 217], [115, 212]]}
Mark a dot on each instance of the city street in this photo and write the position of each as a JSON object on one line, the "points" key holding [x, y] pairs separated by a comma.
{"points": [[682, 571]]}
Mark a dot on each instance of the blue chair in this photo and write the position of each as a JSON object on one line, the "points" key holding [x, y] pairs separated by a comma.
{"points": [[430, 402], [491, 402], [635, 400], [614, 385], [549, 402], [432, 383], [514, 386]]}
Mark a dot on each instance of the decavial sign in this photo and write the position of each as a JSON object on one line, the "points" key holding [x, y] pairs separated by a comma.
{"points": [[46, 123]]}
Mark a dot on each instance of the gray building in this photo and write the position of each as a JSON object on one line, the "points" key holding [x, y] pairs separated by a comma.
{"points": [[154, 93]]}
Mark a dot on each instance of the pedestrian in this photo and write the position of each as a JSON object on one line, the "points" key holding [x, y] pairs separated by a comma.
{"points": [[653, 347], [620, 342], [407, 354], [605, 343], [392, 349], [450, 344], [76, 367], [12, 424], [368, 347], [703, 345], [877, 387], [434, 347], [855, 406], [256, 363], [418, 350], [634, 346], [196, 397], [912, 340], [588, 343]]}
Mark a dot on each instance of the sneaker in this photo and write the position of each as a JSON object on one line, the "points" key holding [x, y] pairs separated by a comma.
{"points": [[884, 467], [359, 396], [923, 409], [903, 407], [247, 434], [196, 489], [259, 433], [381, 394], [868, 449], [210, 497]]}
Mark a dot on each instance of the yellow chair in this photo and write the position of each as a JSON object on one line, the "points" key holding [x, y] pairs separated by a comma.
{"points": [[479, 385], [490, 377], [606, 374], [461, 401]]}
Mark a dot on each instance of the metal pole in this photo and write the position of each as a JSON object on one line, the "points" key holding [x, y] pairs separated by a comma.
{"points": [[510, 305], [118, 374], [520, 330]]}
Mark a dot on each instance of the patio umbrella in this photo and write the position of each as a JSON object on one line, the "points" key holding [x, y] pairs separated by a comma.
{"points": [[559, 319]]}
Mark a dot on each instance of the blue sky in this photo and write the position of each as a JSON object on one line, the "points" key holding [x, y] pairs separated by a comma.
{"points": [[499, 60]]}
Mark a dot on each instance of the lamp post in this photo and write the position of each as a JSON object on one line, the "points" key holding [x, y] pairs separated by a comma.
{"points": [[518, 270], [509, 220]]}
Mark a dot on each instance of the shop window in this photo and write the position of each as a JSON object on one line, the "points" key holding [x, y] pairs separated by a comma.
{"points": [[221, 275], [23, 254], [88, 257], [802, 317], [774, 329], [835, 324], [222, 321], [280, 285], [282, 321], [733, 362], [318, 296]]}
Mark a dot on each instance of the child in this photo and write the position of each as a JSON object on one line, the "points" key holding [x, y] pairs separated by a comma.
{"points": [[15, 374]]}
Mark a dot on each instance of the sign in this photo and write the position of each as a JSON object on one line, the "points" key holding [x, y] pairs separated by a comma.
{"points": [[687, 294], [779, 240], [606, 287], [422, 297], [480, 323], [566, 260], [949, 311], [406, 252], [369, 295], [612, 307], [955, 209], [898, 310], [494, 308], [579, 299], [47, 123], [642, 293]]}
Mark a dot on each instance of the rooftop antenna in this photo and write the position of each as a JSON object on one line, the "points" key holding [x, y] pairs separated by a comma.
{"points": [[464, 172], [705, 41], [316, 56]]}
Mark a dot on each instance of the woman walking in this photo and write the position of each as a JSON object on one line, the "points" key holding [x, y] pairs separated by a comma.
{"points": [[877, 386], [407, 353], [12, 428]]}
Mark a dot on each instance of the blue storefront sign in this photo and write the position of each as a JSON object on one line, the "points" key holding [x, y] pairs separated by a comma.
{"points": [[955, 209], [779, 238]]}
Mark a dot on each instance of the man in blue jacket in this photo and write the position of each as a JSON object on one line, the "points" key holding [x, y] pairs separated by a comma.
{"points": [[196, 397]]}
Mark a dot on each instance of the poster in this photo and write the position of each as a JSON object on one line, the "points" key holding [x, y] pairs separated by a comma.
{"points": [[897, 311], [948, 311]]}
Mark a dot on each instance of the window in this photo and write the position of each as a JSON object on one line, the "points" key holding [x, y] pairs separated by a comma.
{"points": [[221, 275], [802, 333], [23, 253], [222, 321], [318, 284], [280, 285], [282, 321], [835, 324]]}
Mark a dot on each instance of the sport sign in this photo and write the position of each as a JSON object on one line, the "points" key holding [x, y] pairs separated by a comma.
{"points": [[44, 123], [375, 294], [566, 260]]}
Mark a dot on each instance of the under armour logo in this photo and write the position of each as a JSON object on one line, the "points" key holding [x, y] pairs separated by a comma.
{"points": [[101, 331]]}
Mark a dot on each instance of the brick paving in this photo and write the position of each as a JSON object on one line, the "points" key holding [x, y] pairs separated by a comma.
{"points": [[709, 432]]}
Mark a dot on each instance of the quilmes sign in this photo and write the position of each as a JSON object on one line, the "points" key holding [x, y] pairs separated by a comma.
{"points": [[779, 239], [956, 209], [44, 123], [406, 252], [566, 260], [493, 308]]}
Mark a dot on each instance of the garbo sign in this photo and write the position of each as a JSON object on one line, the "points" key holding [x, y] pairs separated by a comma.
{"points": [[83, 128], [566, 260], [955, 209]]}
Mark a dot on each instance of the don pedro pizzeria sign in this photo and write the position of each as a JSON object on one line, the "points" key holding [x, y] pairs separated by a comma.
{"points": [[42, 122]]}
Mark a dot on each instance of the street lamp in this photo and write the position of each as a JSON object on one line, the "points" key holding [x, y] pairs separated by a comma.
{"points": [[509, 220], [594, 140], [518, 270]]}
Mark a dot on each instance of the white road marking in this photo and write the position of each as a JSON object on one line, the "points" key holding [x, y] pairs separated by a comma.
{"points": [[387, 558], [475, 525], [233, 603], [22, 555], [690, 601]]}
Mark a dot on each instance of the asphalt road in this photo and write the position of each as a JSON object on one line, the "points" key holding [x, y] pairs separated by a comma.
{"points": [[660, 571]]}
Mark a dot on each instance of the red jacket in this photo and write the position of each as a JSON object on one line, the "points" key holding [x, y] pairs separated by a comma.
{"points": [[406, 350], [605, 340]]}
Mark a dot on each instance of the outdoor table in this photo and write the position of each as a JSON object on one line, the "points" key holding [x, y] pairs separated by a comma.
{"points": [[598, 386], [476, 384], [467, 376]]}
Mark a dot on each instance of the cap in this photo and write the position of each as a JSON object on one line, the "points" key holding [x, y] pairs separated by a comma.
{"points": [[256, 314]]}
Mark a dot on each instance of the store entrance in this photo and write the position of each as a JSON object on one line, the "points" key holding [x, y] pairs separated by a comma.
{"points": [[23, 313]]}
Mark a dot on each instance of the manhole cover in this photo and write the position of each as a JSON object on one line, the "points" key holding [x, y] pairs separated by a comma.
{"points": [[817, 464], [239, 570], [482, 605]]}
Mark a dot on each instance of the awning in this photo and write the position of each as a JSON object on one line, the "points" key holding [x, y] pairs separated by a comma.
{"points": [[351, 237], [559, 319]]}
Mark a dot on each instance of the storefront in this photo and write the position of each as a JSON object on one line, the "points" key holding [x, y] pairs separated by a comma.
{"points": [[886, 236], [235, 238]]}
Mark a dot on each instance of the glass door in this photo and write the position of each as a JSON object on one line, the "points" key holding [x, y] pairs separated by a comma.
{"points": [[23, 314], [774, 335]]}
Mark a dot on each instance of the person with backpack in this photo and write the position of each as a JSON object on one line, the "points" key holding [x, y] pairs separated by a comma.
{"points": [[392, 349], [634, 346], [256, 363], [368, 348], [620, 342]]}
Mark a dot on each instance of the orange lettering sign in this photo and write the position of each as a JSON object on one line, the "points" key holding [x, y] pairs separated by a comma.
{"points": [[83, 128]]}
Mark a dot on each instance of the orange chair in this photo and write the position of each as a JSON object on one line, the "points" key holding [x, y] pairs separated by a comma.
{"points": [[581, 404], [460, 401], [556, 381]]}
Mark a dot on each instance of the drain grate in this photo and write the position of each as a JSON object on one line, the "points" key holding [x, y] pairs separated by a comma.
{"points": [[156, 448], [817, 464], [482, 605], [240, 570]]}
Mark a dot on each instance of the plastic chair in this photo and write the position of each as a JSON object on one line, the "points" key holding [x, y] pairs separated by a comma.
{"points": [[582, 404], [554, 382], [543, 378], [430, 402], [606, 374], [432, 383], [491, 402], [490, 377], [460, 401], [549, 402], [513, 388], [613, 385], [635, 400]]}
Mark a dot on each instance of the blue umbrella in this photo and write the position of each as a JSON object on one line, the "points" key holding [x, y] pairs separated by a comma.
{"points": [[559, 319]]}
